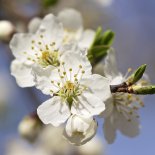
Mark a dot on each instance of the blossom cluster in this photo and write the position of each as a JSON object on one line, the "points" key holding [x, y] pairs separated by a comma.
{"points": [[54, 56]]}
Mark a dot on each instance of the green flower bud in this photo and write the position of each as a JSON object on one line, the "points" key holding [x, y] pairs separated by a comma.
{"points": [[136, 76], [144, 90]]}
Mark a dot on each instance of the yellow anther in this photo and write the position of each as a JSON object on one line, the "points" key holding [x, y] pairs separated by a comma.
{"points": [[142, 104], [32, 41], [61, 77], [63, 63], [130, 112], [58, 70], [70, 69], [129, 96], [39, 43], [129, 69], [83, 72], [32, 48], [80, 66], [52, 81], [53, 43], [64, 73], [135, 108], [47, 47], [41, 36], [58, 83]]}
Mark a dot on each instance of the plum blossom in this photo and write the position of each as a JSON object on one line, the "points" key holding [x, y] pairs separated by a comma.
{"points": [[80, 130], [41, 48], [74, 90], [121, 108], [73, 29], [46, 42], [6, 30]]}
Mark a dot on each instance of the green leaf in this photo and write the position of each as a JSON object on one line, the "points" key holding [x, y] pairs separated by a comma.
{"points": [[137, 75], [48, 3], [101, 44], [98, 36], [108, 38]]}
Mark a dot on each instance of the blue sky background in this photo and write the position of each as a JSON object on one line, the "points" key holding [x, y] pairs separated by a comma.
{"points": [[134, 24]]}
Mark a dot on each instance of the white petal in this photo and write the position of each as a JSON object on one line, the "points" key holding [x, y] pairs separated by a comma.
{"points": [[22, 73], [98, 85], [109, 130], [128, 128], [51, 29], [71, 19], [88, 105], [99, 69], [53, 111], [73, 48], [43, 78], [80, 130], [108, 108], [87, 39], [110, 66], [21, 43], [117, 80], [34, 24], [74, 60]]}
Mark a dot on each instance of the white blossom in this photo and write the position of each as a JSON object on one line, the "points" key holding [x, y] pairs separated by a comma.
{"points": [[72, 23], [30, 127], [73, 28], [80, 130], [45, 43], [6, 30], [41, 48], [74, 89], [121, 108]]}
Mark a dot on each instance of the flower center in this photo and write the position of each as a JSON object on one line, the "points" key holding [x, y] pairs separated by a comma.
{"points": [[43, 53], [127, 105], [49, 58], [69, 85]]}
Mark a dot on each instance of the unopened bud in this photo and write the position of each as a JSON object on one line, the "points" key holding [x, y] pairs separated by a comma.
{"points": [[136, 76], [6, 30], [30, 127], [144, 90]]}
